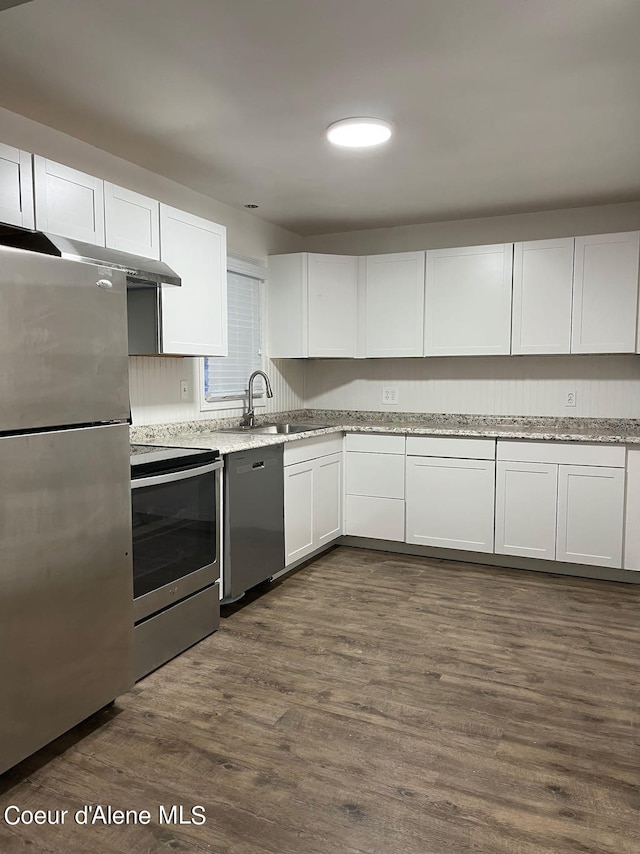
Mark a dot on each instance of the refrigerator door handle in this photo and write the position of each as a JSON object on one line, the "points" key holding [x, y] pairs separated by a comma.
{"points": [[156, 479]]}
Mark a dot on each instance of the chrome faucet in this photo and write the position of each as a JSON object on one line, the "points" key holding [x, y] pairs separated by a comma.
{"points": [[249, 418]]}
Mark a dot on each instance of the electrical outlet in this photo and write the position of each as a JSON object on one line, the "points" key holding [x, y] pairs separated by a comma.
{"points": [[390, 395], [570, 397], [184, 389]]}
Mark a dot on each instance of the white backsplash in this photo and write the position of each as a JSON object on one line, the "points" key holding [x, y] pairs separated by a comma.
{"points": [[605, 386], [154, 385]]}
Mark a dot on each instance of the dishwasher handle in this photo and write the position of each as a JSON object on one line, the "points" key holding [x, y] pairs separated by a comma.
{"points": [[257, 466]]}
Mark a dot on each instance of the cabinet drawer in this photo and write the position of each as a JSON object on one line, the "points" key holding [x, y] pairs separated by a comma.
{"points": [[380, 475], [381, 518], [310, 449], [563, 453], [375, 442], [446, 446]]}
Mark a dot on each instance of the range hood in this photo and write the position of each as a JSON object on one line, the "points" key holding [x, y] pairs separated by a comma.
{"points": [[140, 272]]}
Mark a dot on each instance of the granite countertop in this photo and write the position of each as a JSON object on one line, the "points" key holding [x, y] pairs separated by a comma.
{"points": [[203, 434]]}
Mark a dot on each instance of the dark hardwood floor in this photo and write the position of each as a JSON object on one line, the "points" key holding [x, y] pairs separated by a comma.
{"points": [[371, 704]]}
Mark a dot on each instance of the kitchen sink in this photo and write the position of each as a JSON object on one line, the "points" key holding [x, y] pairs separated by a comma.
{"points": [[274, 428]]}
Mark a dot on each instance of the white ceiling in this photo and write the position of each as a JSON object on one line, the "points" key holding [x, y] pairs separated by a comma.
{"points": [[500, 106]]}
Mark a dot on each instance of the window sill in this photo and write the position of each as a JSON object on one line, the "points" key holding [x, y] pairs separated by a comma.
{"points": [[236, 403]]}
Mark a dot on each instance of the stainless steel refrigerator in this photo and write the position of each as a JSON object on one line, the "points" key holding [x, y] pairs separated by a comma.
{"points": [[66, 617]]}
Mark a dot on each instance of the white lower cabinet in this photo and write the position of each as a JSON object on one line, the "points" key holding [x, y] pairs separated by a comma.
{"points": [[375, 475], [312, 502], [450, 503], [632, 510], [327, 510], [590, 515], [374, 502], [557, 506], [298, 510], [526, 501], [378, 518]]}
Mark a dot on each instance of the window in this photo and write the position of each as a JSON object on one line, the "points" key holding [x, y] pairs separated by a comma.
{"points": [[225, 378]]}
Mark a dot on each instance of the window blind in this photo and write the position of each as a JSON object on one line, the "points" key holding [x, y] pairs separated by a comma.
{"points": [[226, 377]]}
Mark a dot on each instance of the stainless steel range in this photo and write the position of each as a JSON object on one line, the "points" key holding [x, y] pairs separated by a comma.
{"points": [[176, 520]]}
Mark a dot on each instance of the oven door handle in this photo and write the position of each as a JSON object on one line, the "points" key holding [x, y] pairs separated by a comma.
{"points": [[156, 479]]}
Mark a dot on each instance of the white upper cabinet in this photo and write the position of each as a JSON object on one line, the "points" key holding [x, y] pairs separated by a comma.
{"points": [[68, 202], [394, 305], [542, 291], [332, 289], [16, 187], [605, 293], [194, 316], [132, 222], [468, 301], [312, 305]]}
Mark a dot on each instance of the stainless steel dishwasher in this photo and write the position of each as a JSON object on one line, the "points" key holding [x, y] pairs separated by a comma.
{"points": [[254, 519]]}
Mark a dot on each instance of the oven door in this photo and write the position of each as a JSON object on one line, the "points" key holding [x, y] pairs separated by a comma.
{"points": [[176, 524]]}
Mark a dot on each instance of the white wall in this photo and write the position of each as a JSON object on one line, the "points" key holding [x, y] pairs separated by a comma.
{"points": [[154, 382], [470, 232], [247, 235], [155, 389], [606, 386]]}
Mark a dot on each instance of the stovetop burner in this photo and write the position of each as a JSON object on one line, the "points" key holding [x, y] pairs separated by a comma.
{"points": [[142, 454]]}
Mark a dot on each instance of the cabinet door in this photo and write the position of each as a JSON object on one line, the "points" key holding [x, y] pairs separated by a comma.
{"points": [[16, 187], [632, 510], [332, 284], [468, 301], [194, 316], [450, 503], [605, 293], [131, 221], [542, 288], [299, 521], [287, 306], [590, 515], [327, 499], [526, 499], [394, 305], [68, 202]]}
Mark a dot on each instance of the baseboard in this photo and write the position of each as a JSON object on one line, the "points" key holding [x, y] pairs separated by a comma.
{"points": [[307, 559], [601, 573]]}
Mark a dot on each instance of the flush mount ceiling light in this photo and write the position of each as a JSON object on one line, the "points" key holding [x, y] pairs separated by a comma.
{"points": [[361, 132]]}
